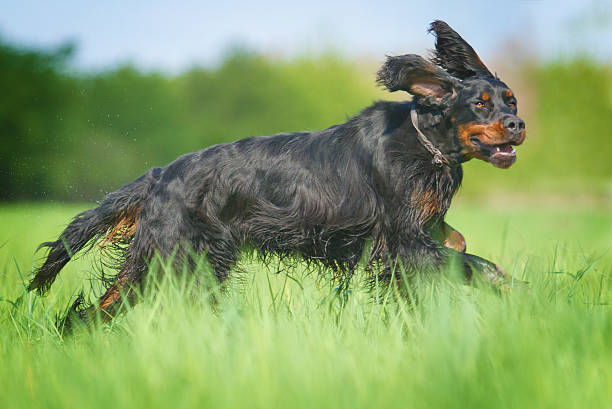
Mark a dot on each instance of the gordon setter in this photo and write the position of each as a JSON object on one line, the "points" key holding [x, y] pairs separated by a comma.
{"points": [[381, 182]]}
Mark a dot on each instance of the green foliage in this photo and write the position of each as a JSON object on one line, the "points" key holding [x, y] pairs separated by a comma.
{"points": [[35, 97], [73, 136], [575, 119], [289, 340]]}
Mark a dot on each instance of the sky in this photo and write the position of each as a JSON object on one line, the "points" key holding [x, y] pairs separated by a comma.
{"points": [[175, 35]]}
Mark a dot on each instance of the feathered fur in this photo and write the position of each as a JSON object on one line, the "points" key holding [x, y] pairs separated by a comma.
{"points": [[454, 54]]}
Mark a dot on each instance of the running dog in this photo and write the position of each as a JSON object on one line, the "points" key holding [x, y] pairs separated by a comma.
{"points": [[380, 182]]}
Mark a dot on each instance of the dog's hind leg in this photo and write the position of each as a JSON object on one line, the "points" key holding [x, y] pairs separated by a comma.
{"points": [[222, 254], [124, 289], [126, 285]]}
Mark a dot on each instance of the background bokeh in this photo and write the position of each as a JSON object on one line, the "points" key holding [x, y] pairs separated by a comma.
{"points": [[94, 96]]}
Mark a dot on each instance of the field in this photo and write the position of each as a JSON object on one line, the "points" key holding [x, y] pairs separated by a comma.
{"points": [[289, 340]]}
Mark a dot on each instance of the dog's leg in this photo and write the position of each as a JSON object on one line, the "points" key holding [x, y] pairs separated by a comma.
{"points": [[222, 253], [426, 254], [123, 289], [221, 267], [349, 260], [488, 271], [449, 237], [347, 273], [453, 239]]}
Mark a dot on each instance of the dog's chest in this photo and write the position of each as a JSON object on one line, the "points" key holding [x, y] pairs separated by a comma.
{"points": [[431, 198], [428, 204]]}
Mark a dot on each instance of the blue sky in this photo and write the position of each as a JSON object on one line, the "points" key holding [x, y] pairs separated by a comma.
{"points": [[175, 35]]}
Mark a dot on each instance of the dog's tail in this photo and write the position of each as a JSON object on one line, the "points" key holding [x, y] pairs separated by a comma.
{"points": [[114, 219]]}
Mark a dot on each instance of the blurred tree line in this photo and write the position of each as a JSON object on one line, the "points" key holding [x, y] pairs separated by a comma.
{"points": [[74, 136]]}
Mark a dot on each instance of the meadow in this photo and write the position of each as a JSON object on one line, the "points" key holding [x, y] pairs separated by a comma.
{"points": [[288, 339]]}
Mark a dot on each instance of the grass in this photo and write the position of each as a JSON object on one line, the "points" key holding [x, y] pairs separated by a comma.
{"points": [[287, 340]]}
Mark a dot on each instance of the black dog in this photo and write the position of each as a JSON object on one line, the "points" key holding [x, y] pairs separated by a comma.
{"points": [[385, 177]]}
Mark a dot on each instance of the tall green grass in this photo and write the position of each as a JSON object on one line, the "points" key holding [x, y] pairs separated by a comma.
{"points": [[289, 339]]}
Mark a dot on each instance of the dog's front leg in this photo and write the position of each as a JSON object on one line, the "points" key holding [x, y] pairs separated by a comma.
{"points": [[424, 252], [488, 271], [454, 247], [449, 237]]}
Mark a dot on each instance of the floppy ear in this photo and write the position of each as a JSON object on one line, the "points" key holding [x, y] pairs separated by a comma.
{"points": [[414, 74], [454, 54]]}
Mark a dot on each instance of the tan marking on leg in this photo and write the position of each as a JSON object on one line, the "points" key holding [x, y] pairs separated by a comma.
{"points": [[113, 294], [453, 239]]}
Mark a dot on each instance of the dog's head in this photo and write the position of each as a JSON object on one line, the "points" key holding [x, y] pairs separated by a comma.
{"points": [[479, 107]]}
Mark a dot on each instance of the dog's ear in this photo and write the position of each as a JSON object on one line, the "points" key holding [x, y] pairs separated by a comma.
{"points": [[454, 54], [414, 74]]}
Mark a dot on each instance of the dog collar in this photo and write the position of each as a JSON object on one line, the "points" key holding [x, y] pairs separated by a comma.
{"points": [[438, 158]]}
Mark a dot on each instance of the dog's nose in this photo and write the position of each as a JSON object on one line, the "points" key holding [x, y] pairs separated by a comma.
{"points": [[514, 125]]}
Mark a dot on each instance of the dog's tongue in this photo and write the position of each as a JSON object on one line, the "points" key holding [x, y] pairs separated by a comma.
{"points": [[502, 156], [505, 148]]}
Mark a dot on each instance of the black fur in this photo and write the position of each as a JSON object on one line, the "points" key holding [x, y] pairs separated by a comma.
{"points": [[320, 195], [454, 54]]}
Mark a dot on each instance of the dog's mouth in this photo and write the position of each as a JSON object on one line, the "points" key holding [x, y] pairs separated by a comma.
{"points": [[500, 155]]}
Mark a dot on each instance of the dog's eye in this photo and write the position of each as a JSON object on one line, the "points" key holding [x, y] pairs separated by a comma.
{"points": [[479, 104]]}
